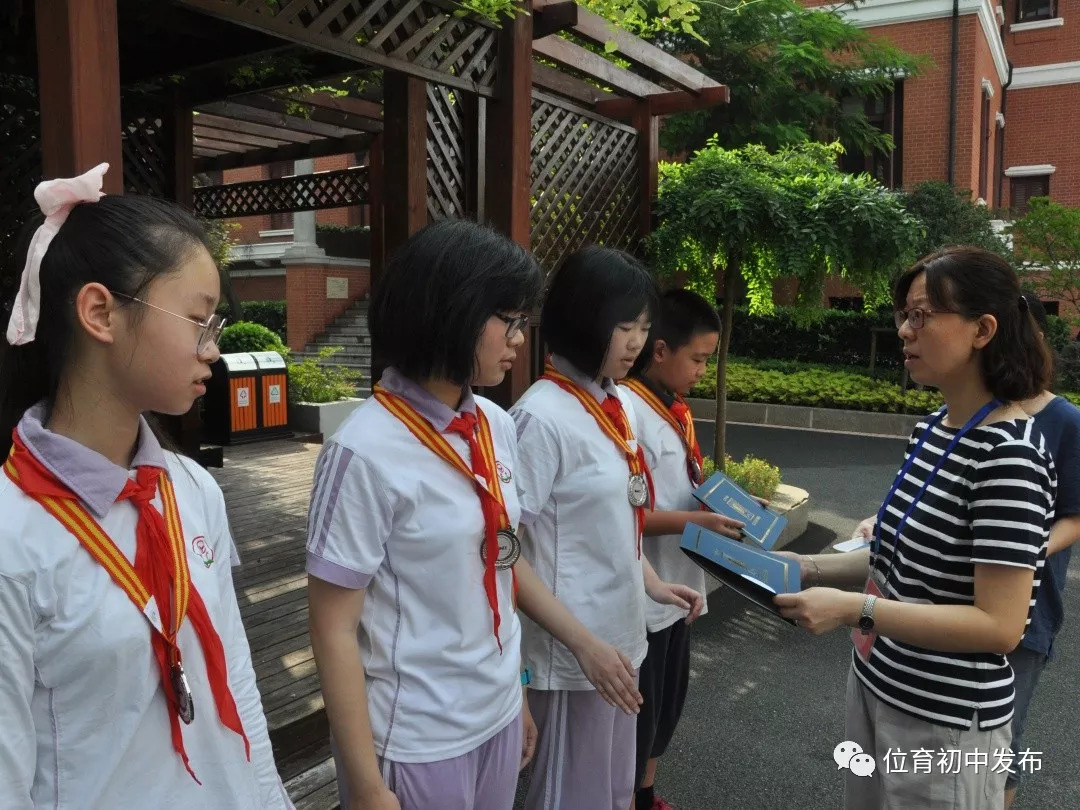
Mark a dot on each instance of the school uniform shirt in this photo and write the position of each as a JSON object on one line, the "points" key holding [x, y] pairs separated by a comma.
{"points": [[992, 502], [85, 722], [580, 529], [390, 516], [1059, 422], [665, 453]]}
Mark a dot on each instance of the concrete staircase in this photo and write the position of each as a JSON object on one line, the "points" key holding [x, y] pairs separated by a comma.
{"points": [[350, 332]]}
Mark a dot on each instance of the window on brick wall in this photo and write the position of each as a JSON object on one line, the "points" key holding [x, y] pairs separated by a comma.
{"points": [[1023, 189], [984, 149], [1052, 308], [1031, 10], [885, 114], [281, 168], [848, 303]]}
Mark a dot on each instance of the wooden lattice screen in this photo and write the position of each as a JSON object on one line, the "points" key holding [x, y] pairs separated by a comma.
{"points": [[305, 192], [585, 186], [20, 171], [147, 149], [446, 162]]}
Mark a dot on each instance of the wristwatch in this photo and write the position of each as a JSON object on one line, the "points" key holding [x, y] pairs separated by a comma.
{"points": [[866, 620]]}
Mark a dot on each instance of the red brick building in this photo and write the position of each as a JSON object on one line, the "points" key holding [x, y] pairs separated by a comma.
{"points": [[997, 109]]}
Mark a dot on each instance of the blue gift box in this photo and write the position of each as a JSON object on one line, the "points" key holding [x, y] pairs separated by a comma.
{"points": [[723, 496]]}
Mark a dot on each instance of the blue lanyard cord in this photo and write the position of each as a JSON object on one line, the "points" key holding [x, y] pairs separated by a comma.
{"points": [[908, 462]]}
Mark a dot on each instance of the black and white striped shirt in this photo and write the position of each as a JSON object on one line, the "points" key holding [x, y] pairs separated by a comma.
{"points": [[991, 502]]}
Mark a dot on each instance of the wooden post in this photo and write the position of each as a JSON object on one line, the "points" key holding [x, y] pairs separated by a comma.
{"points": [[405, 158], [648, 129], [376, 206], [508, 169], [183, 153], [79, 88]]}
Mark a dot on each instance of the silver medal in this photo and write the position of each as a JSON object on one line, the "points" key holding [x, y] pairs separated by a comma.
{"points": [[695, 471], [638, 490], [509, 549], [185, 703]]}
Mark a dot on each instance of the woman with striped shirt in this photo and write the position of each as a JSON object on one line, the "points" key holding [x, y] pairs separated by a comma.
{"points": [[956, 553]]}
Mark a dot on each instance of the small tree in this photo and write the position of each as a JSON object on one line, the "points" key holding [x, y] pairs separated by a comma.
{"points": [[760, 216], [1046, 241], [951, 218]]}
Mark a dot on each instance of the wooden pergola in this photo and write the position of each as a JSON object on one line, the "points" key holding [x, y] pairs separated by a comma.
{"points": [[522, 125]]}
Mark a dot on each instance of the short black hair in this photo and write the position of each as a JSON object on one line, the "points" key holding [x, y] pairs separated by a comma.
{"points": [[438, 292], [593, 291], [1016, 364], [681, 316]]}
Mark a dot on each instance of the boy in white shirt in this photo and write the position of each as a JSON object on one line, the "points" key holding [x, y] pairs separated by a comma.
{"points": [[683, 337]]}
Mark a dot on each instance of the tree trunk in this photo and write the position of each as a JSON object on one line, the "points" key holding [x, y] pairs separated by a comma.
{"points": [[731, 276]]}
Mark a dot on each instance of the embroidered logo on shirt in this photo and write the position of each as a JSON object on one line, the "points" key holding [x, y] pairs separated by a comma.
{"points": [[203, 550], [504, 472]]}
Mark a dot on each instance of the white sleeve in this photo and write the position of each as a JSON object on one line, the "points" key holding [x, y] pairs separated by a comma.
{"points": [[18, 740], [538, 461], [242, 673]]}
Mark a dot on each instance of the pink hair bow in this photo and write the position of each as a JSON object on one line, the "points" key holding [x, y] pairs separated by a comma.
{"points": [[55, 198]]}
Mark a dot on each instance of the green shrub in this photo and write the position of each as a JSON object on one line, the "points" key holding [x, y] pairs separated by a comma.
{"points": [[755, 475], [1058, 332], [311, 381], [841, 336], [270, 314], [250, 337], [818, 388]]}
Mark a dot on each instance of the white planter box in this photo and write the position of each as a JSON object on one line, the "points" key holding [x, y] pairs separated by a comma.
{"points": [[321, 417]]}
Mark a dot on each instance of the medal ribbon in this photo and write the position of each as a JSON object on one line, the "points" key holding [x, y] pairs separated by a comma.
{"points": [[678, 416], [612, 421], [159, 584], [483, 474]]}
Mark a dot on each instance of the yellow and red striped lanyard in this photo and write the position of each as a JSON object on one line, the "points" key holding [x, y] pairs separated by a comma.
{"points": [[77, 520], [685, 428], [634, 459]]}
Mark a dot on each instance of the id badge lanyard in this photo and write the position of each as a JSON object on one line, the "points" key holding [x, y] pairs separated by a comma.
{"points": [[875, 546]]}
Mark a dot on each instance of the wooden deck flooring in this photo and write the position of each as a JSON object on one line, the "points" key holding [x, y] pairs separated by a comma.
{"points": [[267, 488]]}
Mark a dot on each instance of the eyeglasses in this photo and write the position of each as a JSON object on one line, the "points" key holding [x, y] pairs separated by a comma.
{"points": [[916, 316], [514, 325], [210, 330]]}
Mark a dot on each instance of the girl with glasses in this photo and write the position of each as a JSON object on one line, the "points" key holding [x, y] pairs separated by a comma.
{"points": [[125, 675], [414, 557], [955, 554]]}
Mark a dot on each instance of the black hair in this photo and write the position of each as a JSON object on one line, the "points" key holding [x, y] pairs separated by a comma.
{"points": [[593, 291], [1016, 364], [681, 316], [1038, 311], [121, 242], [438, 292]]}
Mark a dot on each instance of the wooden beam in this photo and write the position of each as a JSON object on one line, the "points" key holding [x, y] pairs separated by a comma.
{"points": [[643, 53], [183, 165], [239, 127], [294, 151], [554, 17], [574, 56], [509, 146], [566, 85], [221, 146], [245, 112], [241, 138], [265, 101], [79, 88], [346, 104], [666, 103]]}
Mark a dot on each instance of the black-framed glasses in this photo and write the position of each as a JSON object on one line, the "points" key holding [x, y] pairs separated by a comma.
{"points": [[209, 330], [515, 324], [916, 316]]}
